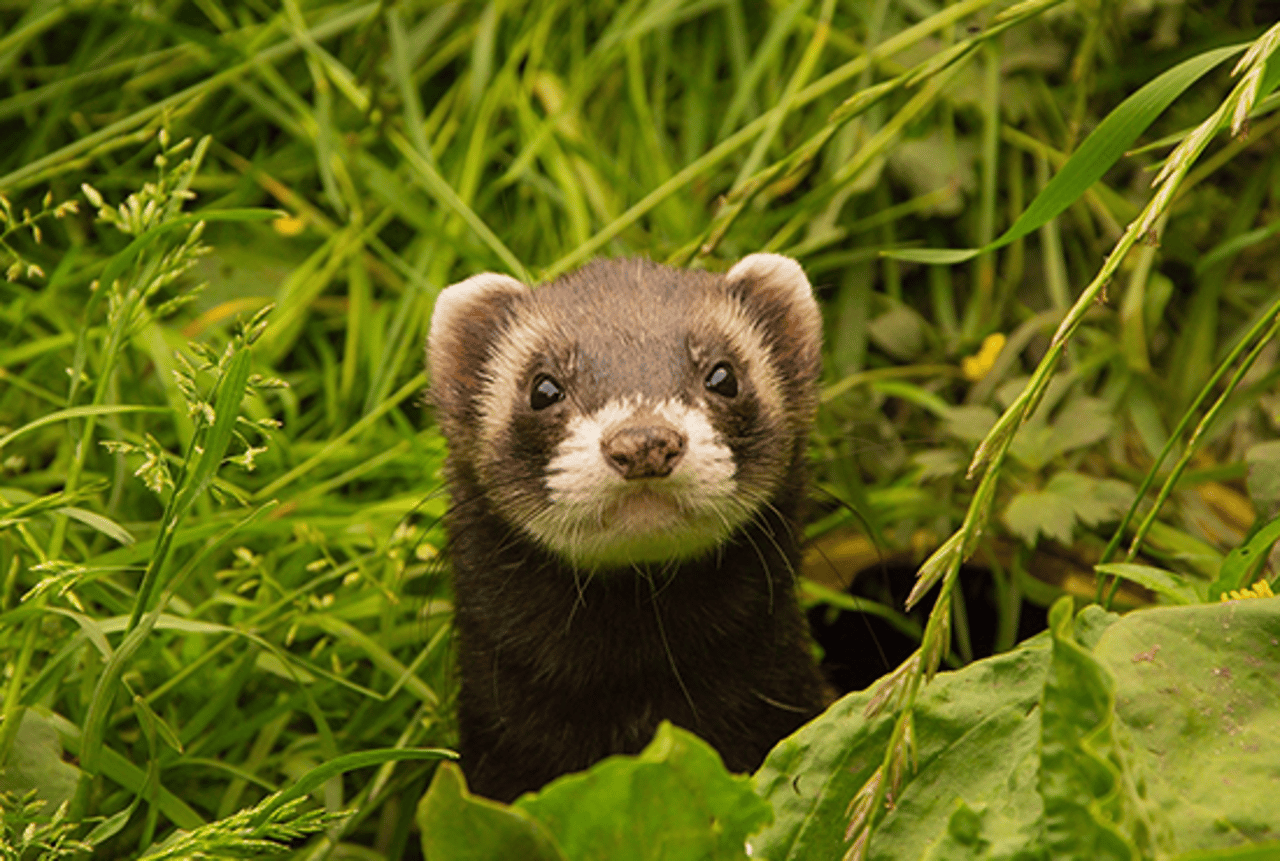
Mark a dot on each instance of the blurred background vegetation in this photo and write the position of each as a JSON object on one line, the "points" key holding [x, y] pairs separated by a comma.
{"points": [[172, 655]]}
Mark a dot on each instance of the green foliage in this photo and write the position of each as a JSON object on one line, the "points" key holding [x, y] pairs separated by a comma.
{"points": [[1141, 736], [457, 824], [1096, 155], [672, 801], [26, 834], [224, 617]]}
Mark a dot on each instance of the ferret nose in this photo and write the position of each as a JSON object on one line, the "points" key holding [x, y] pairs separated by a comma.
{"points": [[643, 452]]}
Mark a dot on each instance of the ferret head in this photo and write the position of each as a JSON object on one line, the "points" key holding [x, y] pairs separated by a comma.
{"points": [[628, 412]]}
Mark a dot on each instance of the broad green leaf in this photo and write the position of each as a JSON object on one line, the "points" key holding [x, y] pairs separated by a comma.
{"points": [[938, 463], [1103, 148], [1198, 691], [673, 801], [1176, 587], [970, 422], [35, 762], [899, 332], [991, 814], [1255, 852], [1094, 500], [459, 826], [1087, 807], [1033, 513], [1160, 733], [976, 730], [1081, 422], [1067, 497]]}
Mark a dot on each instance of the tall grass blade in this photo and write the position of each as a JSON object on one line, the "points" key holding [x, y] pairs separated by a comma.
{"points": [[1103, 148]]}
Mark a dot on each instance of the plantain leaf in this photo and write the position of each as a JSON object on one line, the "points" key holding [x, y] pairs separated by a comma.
{"points": [[674, 801], [1198, 692], [1085, 797], [36, 762], [1254, 852], [976, 732], [459, 826], [1152, 731]]}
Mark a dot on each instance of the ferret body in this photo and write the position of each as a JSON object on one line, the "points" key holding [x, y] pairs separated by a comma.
{"points": [[626, 465]]}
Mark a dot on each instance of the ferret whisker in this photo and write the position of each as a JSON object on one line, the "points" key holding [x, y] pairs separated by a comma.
{"points": [[764, 567], [580, 602], [666, 646]]}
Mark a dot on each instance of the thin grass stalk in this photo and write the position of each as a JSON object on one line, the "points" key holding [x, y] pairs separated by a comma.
{"points": [[133, 302], [27, 100], [146, 267], [1149, 479], [211, 442], [945, 563], [818, 88], [780, 26], [11, 716], [409, 389], [1133, 332], [1056, 281], [1273, 317], [41, 168], [440, 188], [1142, 227], [981, 302], [812, 52], [932, 76]]}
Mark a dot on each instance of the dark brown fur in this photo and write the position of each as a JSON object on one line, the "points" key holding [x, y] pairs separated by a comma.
{"points": [[562, 667]]}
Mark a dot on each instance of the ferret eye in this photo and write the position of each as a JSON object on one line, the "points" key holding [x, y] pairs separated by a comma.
{"points": [[722, 381], [546, 391]]}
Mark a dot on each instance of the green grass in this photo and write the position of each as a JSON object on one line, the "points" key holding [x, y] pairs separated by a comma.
{"points": [[219, 551]]}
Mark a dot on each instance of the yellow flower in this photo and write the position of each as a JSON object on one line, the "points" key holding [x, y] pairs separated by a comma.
{"points": [[977, 366], [1261, 589], [289, 225]]}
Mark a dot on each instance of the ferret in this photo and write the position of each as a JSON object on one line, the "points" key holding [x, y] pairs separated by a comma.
{"points": [[627, 467]]}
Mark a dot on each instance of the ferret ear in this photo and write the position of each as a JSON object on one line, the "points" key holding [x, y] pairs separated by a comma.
{"points": [[776, 292], [467, 318]]}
